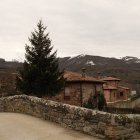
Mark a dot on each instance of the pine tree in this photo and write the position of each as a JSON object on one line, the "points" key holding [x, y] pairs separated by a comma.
{"points": [[40, 75]]}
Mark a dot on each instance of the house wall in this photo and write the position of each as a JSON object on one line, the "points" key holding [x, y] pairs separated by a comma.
{"points": [[75, 95], [88, 90], [99, 88], [79, 93], [113, 83], [113, 95], [110, 95], [125, 93], [107, 95]]}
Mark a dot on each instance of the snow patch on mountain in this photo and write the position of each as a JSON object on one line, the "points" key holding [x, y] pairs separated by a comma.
{"points": [[130, 59], [79, 56], [138, 61], [90, 63]]}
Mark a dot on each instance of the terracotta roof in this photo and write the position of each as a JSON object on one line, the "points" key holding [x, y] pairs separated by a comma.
{"points": [[77, 77], [123, 87], [109, 87], [110, 79]]}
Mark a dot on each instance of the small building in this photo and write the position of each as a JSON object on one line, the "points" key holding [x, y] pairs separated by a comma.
{"points": [[78, 88], [113, 91]]}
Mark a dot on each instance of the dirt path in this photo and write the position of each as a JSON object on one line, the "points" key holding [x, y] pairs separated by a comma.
{"points": [[15, 126]]}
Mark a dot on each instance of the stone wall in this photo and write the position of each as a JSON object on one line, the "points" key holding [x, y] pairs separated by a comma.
{"points": [[88, 90], [80, 92], [96, 123], [123, 110], [126, 104], [74, 98]]}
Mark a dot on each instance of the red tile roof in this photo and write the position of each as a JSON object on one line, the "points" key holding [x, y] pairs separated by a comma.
{"points": [[110, 79], [123, 87], [77, 77], [109, 87]]}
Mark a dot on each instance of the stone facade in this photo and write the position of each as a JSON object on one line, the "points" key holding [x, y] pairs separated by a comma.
{"points": [[74, 98], [79, 93], [92, 122], [110, 95], [123, 93]]}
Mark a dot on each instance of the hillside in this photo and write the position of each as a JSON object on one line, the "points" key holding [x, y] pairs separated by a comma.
{"points": [[126, 68], [9, 65]]}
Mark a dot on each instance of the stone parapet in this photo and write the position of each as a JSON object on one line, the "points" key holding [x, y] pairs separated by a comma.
{"points": [[96, 123]]}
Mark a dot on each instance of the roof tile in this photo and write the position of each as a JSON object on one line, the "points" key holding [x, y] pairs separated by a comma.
{"points": [[77, 77], [110, 79]]}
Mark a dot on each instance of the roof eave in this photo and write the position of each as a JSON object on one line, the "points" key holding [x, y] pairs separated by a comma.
{"points": [[82, 81]]}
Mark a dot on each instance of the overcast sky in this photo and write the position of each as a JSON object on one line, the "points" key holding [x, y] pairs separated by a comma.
{"points": [[96, 27]]}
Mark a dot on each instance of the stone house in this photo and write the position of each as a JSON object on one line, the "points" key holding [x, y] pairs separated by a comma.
{"points": [[78, 88], [113, 91]]}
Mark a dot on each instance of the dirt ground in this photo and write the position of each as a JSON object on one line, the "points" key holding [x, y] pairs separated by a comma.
{"points": [[14, 126]]}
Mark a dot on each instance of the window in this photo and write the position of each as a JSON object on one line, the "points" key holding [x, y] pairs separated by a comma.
{"points": [[121, 94], [67, 93]]}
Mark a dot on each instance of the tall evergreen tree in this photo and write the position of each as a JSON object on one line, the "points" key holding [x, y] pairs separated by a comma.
{"points": [[40, 75]]}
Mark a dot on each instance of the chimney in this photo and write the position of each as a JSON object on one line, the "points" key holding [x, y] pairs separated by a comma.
{"points": [[83, 72], [99, 75]]}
